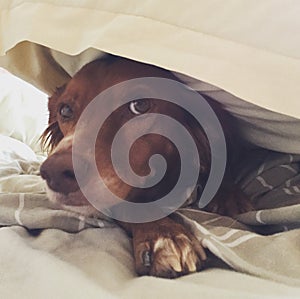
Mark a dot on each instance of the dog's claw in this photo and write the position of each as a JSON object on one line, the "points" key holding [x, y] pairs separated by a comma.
{"points": [[146, 258], [175, 264]]}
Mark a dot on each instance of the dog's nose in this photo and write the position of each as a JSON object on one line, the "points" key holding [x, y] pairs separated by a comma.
{"points": [[58, 171]]}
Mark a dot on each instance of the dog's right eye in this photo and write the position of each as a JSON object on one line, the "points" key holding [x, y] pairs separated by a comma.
{"points": [[139, 106], [66, 111]]}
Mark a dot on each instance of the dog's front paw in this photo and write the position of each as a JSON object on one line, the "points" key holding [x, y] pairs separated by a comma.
{"points": [[230, 202], [166, 249]]}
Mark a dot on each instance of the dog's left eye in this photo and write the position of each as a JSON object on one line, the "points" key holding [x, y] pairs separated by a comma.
{"points": [[139, 106], [66, 111]]}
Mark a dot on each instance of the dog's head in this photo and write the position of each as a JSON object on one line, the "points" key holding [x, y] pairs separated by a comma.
{"points": [[66, 106]]}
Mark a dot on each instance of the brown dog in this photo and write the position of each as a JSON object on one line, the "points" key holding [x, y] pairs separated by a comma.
{"points": [[163, 247]]}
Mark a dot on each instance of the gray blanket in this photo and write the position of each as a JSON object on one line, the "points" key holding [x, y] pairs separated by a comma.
{"points": [[264, 243]]}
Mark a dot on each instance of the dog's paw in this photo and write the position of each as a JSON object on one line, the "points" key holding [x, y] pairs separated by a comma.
{"points": [[230, 203], [166, 249]]}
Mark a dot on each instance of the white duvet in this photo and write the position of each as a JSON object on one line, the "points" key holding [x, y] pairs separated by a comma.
{"points": [[248, 48]]}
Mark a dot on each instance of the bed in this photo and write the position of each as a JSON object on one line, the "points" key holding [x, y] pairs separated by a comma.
{"points": [[244, 54]]}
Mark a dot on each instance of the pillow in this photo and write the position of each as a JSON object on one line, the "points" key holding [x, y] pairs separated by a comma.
{"points": [[23, 110]]}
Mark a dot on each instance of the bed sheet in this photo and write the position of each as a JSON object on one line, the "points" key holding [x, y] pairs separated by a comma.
{"points": [[97, 263]]}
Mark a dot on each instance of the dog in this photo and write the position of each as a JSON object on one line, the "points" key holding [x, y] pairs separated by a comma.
{"points": [[162, 248]]}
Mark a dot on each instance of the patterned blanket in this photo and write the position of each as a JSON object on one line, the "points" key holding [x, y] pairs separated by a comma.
{"points": [[264, 243]]}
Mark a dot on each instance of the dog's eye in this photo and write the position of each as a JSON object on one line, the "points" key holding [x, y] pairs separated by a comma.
{"points": [[139, 106], [66, 111]]}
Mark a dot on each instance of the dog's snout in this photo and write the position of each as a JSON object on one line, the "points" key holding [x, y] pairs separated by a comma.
{"points": [[58, 171]]}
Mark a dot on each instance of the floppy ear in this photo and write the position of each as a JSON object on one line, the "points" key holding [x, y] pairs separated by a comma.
{"points": [[201, 142], [234, 144], [229, 199], [52, 135]]}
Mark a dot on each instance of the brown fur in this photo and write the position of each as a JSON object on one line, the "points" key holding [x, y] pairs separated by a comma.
{"points": [[161, 248]]}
